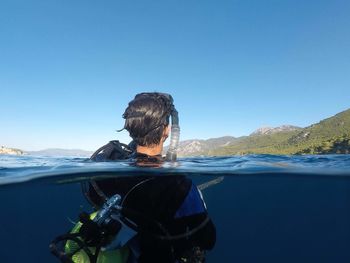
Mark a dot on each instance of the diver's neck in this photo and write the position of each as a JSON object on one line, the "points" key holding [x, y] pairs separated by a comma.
{"points": [[150, 150]]}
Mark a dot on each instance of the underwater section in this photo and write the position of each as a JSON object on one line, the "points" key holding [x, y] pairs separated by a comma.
{"points": [[265, 208]]}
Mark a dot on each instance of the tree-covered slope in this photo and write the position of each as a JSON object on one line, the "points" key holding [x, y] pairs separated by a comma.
{"points": [[331, 135], [271, 144]]}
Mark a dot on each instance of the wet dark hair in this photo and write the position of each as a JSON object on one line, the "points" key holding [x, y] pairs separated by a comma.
{"points": [[146, 117]]}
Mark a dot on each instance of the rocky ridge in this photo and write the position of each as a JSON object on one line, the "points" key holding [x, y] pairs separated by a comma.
{"points": [[272, 130], [201, 147], [10, 151]]}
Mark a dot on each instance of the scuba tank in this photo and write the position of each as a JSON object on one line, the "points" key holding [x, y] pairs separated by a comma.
{"points": [[96, 238]]}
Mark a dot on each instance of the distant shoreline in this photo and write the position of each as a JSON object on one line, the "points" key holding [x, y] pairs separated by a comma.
{"points": [[10, 151], [329, 136]]}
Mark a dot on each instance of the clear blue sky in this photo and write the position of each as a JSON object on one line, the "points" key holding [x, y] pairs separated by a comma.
{"points": [[69, 68]]}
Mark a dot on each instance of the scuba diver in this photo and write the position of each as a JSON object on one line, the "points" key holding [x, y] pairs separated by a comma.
{"points": [[146, 218]]}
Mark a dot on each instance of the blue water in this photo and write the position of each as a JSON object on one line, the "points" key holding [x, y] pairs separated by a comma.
{"points": [[266, 208]]}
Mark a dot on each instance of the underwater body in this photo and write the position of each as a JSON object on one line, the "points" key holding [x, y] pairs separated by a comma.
{"points": [[265, 208]]}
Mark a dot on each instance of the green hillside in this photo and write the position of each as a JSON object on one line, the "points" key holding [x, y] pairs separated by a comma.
{"points": [[331, 135]]}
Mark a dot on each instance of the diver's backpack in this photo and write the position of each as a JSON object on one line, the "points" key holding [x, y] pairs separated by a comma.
{"points": [[114, 150]]}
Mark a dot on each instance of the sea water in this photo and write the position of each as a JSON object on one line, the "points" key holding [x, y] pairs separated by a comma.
{"points": [[266, 208]]}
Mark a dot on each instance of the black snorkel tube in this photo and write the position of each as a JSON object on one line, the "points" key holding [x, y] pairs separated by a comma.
{"points": [[171, 154]]}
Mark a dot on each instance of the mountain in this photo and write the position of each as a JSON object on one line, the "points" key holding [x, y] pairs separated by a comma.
{"points": [[62, 152], [271, 130], [331, 135], [201, 147]]}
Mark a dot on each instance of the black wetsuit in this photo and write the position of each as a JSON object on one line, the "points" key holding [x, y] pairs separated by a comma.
{"points": [[162, 207]]}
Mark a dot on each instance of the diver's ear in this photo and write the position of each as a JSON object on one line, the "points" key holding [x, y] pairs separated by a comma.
{"points": [[166, 132]]}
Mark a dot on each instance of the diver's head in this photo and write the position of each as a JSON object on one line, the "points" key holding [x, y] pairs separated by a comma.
{"points": [[147, 118]]}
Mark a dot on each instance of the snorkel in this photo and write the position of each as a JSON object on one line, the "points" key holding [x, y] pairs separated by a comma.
{"points": [[171, 154]]}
